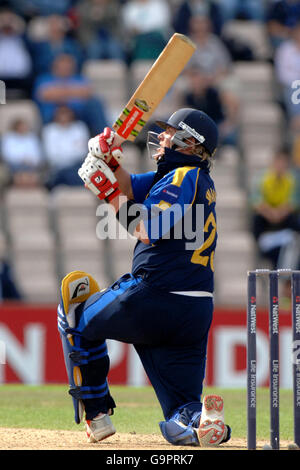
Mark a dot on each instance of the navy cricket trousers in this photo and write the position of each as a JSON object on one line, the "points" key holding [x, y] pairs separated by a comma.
{"points": [[168, 331]]}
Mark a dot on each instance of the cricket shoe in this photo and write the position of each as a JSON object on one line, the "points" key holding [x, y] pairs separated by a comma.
{"points": [[99, 428], [212, 431]]}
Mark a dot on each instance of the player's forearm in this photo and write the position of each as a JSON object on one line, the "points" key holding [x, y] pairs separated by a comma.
{"points": [[140, 232], [124, 180]]}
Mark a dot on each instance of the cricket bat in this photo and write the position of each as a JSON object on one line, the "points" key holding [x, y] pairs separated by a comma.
{"points": [[154, 87]]}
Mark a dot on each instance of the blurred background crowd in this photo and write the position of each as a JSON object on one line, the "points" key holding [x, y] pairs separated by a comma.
{"points": [[69, 67]]}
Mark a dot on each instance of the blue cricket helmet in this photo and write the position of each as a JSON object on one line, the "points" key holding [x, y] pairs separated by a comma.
{"points": [[191, 122]]}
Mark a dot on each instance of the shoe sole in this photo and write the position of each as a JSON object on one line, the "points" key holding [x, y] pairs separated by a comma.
{"points": [[92, 440], [212, 428]]}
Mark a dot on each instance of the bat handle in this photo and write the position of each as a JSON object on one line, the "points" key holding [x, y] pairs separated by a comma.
{"points": [[118, 140]]}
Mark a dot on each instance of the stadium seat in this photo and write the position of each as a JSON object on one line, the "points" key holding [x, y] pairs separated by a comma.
{"points": [[255, 79], [91, 262], [20, 199], [34, 262], [110, 81], [231, 290], [27, 222], [138, 70], [257, 158], [235, 245], [39, 289], [68, 225], [34, 242], [75, 207], [19, 109], [75, 223], [232, 199], [250, 138], [132, 158], [261, 117], [118, 245], [26, 211], [251, 33], [227, 156], [76, 240], [235, 255], [70, 198]]}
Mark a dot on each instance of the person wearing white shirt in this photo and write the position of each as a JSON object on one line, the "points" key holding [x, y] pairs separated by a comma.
{"points": [[144, 16], [15, 60], [147, 27], [21, 152], [64, 141]]}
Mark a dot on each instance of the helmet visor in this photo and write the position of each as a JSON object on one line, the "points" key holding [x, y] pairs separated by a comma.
{"points": [[153, 144]]}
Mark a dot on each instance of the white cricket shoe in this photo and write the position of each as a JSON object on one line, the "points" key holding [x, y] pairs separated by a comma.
{"points": [[212, 430], [99, 428]]}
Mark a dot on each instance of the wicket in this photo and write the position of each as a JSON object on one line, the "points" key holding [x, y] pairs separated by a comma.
{"points": [[273, 277]]}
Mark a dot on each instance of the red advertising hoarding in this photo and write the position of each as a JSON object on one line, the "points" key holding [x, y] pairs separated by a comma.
{"points": [[32, 350]]}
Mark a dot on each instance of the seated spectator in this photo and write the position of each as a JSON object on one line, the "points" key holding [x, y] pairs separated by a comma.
{"points": [[275, 208], [200, 94], [147, 25], [100, 29], [246, 10], [287, 70], [31, 8], [21, 151], [211, 53], [281, 16], [63, 86], [15, 60], [189, 8], [58, 42], [65, 145]]}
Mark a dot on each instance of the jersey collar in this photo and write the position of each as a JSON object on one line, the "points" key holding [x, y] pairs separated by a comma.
{"points": [[173, 159]]}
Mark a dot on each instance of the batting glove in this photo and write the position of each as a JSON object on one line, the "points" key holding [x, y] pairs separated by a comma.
{"points": [[102, 147], [99, 178]]}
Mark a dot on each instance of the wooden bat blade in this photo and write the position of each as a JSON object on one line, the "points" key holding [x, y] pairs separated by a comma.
{"points": [[154, 87]]}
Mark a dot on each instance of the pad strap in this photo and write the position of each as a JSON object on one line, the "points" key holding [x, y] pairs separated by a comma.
{"points": [[85, 393], [81, 357]]}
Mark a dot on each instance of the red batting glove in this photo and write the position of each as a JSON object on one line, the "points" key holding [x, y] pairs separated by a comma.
{"points": [[101, 146], [107, 190], [99, 178]]}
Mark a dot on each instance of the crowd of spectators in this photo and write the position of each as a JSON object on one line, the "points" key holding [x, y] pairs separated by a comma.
{"points": [[44, 46]]}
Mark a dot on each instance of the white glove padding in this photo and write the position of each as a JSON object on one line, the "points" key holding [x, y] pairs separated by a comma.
{"points": [[99, 178], [102, 147]]}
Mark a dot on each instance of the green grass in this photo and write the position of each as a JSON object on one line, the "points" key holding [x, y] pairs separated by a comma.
{"points": [[50, 407]]}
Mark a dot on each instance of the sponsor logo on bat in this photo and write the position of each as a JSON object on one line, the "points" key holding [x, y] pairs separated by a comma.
{"points": [[130, 122], [141, 104]]}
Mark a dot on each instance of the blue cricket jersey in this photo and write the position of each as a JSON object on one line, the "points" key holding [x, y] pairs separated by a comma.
{"points": [[179, 205]]}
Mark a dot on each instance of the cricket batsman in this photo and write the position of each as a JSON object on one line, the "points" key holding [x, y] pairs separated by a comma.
{"points": [[164, 307]]}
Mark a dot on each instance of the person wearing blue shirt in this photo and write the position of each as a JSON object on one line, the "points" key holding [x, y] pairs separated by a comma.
{"points": [[164, 307], [64, 86], [281, 17]]}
